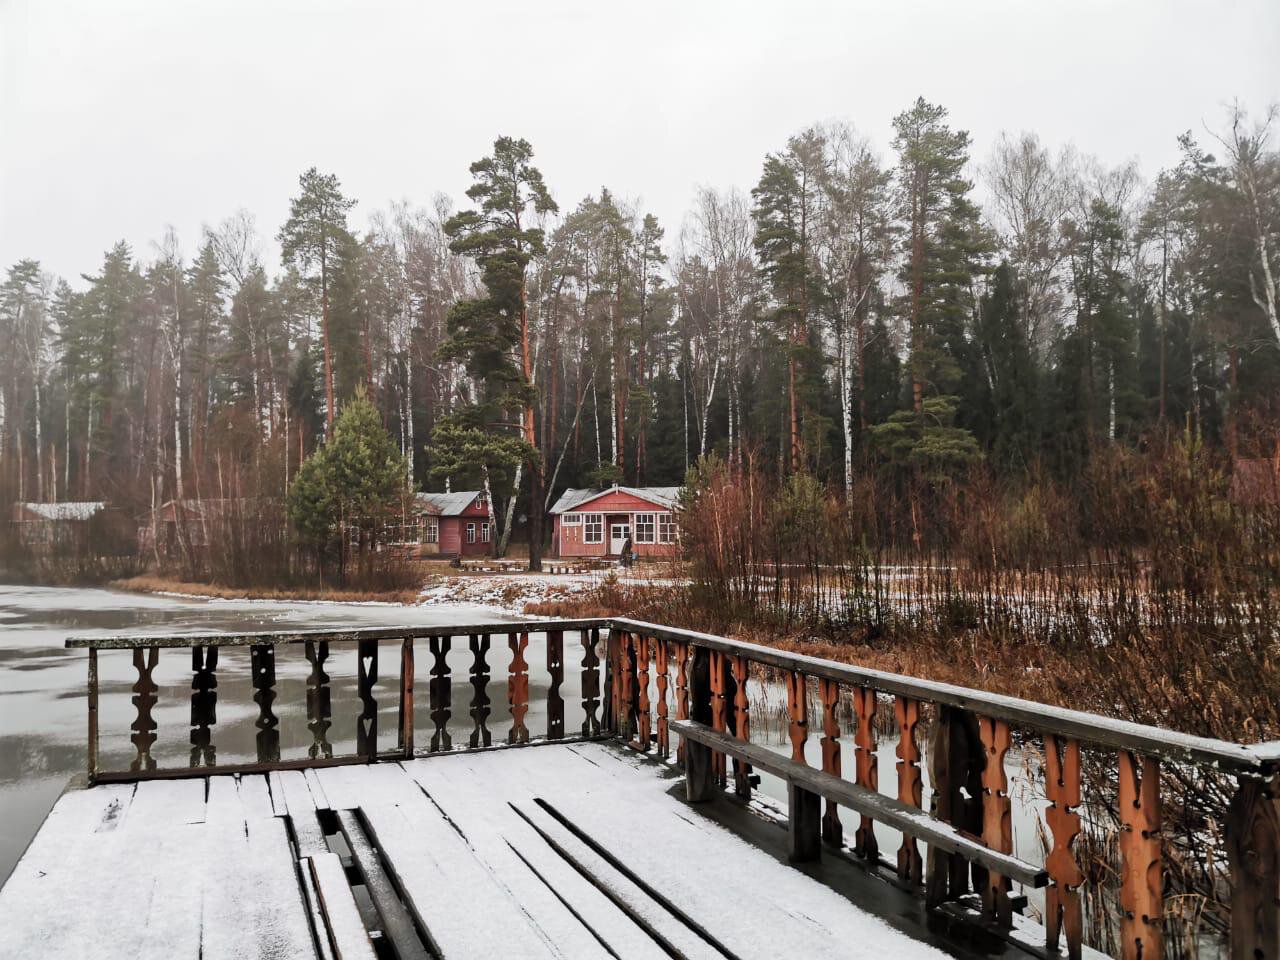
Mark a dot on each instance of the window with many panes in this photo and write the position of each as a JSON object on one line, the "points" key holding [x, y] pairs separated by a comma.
{"points": [[666, 528], [430, 529], [593, 528], [484, 533], [572, 519], [471, 533], [644, 528]]}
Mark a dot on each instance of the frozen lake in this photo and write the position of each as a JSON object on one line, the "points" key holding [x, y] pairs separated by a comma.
{"points": [[42, 684]]}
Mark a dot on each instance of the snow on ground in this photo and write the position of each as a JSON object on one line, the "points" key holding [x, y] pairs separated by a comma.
{"points": [[510, 592]]}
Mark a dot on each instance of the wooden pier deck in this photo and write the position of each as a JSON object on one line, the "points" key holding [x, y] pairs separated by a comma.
{"points": [[472, 855], [612, 807]]}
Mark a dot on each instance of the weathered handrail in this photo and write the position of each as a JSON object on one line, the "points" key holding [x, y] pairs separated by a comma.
{"points": [[132, 641], [1091, 728], [970, 791]]}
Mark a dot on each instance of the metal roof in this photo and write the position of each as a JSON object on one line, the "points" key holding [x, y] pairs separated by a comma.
{"points": [[449, 504], [659, 496], [69, 510]]}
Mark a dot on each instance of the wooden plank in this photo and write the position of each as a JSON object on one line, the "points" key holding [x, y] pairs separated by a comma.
{"points": [[879, 807], [463, 905], [129, 642], [291, 788], [670, 930], [397, 924], [472, 796], [346, 933]]}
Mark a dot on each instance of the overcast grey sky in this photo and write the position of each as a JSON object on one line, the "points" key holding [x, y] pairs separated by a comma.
{"points": [[118, 117]]}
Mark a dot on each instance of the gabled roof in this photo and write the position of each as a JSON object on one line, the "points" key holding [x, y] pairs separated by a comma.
{"points": [[449, 504], [571, 499], [71, 510]]}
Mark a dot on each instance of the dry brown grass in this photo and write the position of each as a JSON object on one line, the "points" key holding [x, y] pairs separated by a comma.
{"points": [[153, 584]]}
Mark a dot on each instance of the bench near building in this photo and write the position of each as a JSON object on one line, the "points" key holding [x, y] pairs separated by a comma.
{"points": [[596, 523]]}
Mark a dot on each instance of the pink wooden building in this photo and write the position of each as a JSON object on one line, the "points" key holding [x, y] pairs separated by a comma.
{"points": [[596, 523], [455, 524]]}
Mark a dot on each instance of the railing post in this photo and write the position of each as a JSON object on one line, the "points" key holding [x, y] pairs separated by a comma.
{"points": [[1253, 853], [93, 714], [440, 692], [518, 687], [366, 677], [866, 768], [997, 817], [741, 726], [956, 763], [144, 700], [591, 683], [262, 661], [406, 697], [612, 683], [204, 704], [829, 693], [700, 781], [1064, 914], [555, 670], [1140, 881], [910, 786]]}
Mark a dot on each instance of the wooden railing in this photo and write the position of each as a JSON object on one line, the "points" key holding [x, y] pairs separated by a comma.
{"points": [[650, 676], [972, 733], [370, 647]]}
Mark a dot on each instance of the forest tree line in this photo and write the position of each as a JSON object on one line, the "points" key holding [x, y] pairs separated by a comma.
{"points": [[915, 310]]}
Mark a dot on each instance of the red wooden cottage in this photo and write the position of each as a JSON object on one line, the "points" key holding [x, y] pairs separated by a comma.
{"points": [[455, 524], [596, 523]]}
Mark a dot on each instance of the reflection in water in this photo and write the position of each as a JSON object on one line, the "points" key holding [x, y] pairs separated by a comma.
{"points": [[42, 684]]}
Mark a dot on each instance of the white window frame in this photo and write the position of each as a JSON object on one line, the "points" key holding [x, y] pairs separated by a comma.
{"points": [[571, 520], [639, 522], [484, 531], [666, 528], [481, 502], [431, 529], [590, 521], [471, 532]]}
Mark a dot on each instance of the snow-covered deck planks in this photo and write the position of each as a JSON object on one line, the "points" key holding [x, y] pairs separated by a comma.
{"points": [[557, 851]]}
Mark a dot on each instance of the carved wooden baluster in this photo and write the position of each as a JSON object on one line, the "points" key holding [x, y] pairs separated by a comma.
{"points": [[618, 658], [682, 691], [644, 722], [590, 682], [1062, 898], [910, 784], [829, 691], [518, 688], [366, 677], [1253, 855], [144, 700], [318, 712], [742, 726], [92, 692], [798, 711], [555, 668], [866, 767], [660, 662], [262, 662], [204, 705], [625, 686], [719, 707], [406, 697], [1140, 881], [997, 819], [440, 692], [480, 735]]}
